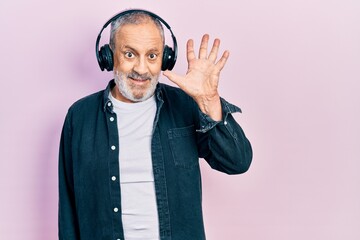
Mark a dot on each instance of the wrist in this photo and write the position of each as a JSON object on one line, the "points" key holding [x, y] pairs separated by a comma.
{"points": [[211, 106]]}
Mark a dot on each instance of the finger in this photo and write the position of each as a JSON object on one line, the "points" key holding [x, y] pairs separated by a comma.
{"points": [[172, 76], [214, 50], [221, 63], [190, 54], [203, 46]]}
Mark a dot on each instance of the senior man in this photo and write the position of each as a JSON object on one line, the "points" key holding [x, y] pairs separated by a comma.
{"points": [[129, 154]]}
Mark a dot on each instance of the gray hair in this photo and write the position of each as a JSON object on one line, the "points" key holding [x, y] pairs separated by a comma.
{"points": [[133, 18]]}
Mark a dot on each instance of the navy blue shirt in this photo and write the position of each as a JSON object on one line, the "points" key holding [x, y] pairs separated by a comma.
{"points": [[89, 188]]}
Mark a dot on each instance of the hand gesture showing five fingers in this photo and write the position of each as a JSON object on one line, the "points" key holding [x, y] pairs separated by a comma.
{"points": [[202, 77]]}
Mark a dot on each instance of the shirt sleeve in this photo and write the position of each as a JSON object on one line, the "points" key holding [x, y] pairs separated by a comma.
{"points": [[67, 218], [223, 144], [207, 123]]}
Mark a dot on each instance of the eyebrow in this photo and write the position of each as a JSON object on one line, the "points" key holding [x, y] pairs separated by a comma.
{"points": [[128, 47], [134, 50]]}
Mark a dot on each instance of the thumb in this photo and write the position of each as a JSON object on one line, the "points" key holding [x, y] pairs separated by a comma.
{"points": [[172, 76]]}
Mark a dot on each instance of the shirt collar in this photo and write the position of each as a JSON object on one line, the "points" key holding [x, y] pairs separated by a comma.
{"points": [[106, 101]]}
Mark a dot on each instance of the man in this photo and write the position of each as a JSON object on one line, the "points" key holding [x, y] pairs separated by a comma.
{"points": [[129, 155]]}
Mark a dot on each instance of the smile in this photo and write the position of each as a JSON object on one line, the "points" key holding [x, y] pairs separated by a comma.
{"points": [[139, 81]]}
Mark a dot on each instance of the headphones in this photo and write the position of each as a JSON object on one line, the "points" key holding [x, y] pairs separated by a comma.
{"points": [[105, 55]]}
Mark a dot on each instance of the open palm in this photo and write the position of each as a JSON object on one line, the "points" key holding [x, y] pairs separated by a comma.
{"points": [[202, 77]]}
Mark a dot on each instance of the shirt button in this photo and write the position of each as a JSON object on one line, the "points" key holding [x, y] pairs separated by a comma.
{"points": [[225, 122], [113, 147], [109, 104], [113, 178], [111, 119], [116, 209]]}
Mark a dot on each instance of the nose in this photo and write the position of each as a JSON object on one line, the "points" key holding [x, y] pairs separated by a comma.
{"points": [[141, 65]]}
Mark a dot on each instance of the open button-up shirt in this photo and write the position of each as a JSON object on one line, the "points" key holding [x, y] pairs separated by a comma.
{"points": [[89, 189]]}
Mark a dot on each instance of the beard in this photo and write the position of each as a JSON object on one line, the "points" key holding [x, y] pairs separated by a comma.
{"points": [[134, 92]]}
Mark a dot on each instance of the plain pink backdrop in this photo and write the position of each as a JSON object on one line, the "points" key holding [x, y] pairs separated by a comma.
{"points": [[294, 69]]}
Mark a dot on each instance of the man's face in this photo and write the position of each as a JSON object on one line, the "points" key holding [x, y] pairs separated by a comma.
{"points": [[137, 61]]}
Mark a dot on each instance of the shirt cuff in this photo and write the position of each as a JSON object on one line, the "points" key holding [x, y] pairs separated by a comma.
{"points": [[207, 123]]}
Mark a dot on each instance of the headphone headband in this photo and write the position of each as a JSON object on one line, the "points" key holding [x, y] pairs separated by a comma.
{"points": [[104, 55]]}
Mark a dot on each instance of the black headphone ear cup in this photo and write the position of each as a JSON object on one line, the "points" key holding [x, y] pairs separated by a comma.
{"points": [[168, 60], [106, 58]]}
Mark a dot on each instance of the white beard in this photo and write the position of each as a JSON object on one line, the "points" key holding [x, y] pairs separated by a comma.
{"points": [[129, 92]]}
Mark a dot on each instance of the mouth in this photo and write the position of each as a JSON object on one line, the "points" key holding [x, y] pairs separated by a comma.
{"points": [[139, 80]]}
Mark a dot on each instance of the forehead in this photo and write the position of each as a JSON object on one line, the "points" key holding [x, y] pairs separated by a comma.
{"points": [[141, 36]]}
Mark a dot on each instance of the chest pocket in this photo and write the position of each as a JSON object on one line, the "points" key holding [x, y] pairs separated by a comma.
{"points": [[183, 147]]}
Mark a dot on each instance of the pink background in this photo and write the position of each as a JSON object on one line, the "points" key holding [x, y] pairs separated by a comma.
{"points": [[294, 69]]}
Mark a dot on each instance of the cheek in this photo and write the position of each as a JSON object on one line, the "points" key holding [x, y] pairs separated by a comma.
{"points": [[122, 66], [155, 68]]}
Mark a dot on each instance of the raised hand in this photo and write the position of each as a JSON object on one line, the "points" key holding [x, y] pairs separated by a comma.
{"points": [[202, 77]]}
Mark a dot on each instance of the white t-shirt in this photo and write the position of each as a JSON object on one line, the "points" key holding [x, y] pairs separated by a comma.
{"points": [[138, 200]]}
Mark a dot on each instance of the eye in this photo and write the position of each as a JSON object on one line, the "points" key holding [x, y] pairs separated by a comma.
{"points": [[152, 56], [129, 54]]}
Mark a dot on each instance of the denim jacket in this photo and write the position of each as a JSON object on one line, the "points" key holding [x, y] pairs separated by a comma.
{"points": [[89, 188]]}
